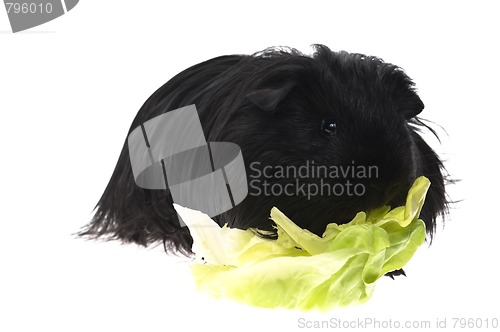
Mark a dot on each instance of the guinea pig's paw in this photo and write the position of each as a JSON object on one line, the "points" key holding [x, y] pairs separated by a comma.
{"points": [[395, 273]]}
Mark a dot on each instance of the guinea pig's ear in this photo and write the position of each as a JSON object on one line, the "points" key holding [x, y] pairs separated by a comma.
{"points": [[268, 99], [412, 106]]}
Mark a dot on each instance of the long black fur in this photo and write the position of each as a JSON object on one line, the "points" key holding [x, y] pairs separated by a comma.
{"points": [[272, 105]]}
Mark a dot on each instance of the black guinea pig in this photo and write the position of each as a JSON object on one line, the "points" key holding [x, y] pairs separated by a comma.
{"points": [[338, 112]]}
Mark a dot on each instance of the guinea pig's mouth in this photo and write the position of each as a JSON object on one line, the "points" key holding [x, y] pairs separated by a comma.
{"points": [[392, 195]]}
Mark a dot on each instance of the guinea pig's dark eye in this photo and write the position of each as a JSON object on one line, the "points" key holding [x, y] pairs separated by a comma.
{"points": [[328, 127]]}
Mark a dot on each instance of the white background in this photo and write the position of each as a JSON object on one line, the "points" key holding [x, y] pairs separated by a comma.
{"points": [[69, 90]]}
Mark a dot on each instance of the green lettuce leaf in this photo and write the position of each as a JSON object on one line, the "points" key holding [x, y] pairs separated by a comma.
{"points": [[300, 270]]}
